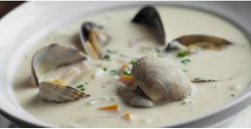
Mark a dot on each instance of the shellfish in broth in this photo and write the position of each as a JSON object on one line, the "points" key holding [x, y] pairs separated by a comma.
{"points": [[150, 17], [190, 42], [93, 38], [160, 79], [133, 99], [50, 58]]}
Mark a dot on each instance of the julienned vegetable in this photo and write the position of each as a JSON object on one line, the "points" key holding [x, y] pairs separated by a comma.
{"points": [[114, 107], [127, 80]]}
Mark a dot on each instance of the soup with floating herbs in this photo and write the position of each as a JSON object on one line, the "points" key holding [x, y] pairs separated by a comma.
{"points": [[136, 67]]}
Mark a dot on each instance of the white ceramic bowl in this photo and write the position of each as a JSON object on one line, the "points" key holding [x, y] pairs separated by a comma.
{"points": [[28, 23]]}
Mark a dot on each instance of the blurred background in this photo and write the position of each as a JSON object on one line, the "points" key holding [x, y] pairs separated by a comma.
{"points": [[6, 6]]}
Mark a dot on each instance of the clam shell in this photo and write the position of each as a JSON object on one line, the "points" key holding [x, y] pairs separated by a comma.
{"points": [[93, 38], [86, 28], [58, 93], [134, 99], [149, 16], [52, 57], [211, 42], [160, 79]]}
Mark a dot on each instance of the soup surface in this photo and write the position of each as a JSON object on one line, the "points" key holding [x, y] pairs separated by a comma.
{"points": [[230, 66]]}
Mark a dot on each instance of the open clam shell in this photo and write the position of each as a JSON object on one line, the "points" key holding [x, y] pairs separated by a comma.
{"points": [[50, 58], [204, 41], [93, 38], [133, 99], [59, 93], [160, 79], [149, 16]]}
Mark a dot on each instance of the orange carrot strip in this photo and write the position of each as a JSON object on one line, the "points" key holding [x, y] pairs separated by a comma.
{"points": [[127, 80], [111, 107]]}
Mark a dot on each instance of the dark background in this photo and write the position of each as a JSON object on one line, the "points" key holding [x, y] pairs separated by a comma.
{"points": [[6, 6]]}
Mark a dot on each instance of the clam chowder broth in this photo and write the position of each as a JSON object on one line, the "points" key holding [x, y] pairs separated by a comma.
{"points": [[226, 70]]}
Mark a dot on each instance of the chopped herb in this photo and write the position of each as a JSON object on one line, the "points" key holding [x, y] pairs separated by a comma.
{"points": [[122, 55], [112, 52], [185, 61], [105, 69], [107, 57], [185, 70], [126, 72], [182, 53], [113, 72], [82, 89], [157, 50], [232, 95], [86, 83], [80, 86], [197, 79], [133, 61]]}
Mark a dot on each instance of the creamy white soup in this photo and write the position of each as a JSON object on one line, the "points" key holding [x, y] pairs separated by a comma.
{"points": [[226, 71]]}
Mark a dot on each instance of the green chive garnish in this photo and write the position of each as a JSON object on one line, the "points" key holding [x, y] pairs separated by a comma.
{"points": [[197, 79], [185, 61], [182, 53], [126, 72], [107, 57], [113, 72], [112, 52], [133, 61], [232, 95], [105, 69], [80, 86], [82, 89]]}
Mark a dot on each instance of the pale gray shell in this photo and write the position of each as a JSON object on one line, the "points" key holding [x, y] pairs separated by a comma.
{"points": [[134, 99], [160, 79], [58, 93], [50, 58]]}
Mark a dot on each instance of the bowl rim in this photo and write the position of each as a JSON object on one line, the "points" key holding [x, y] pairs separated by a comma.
{"points": [[231, 105]]}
